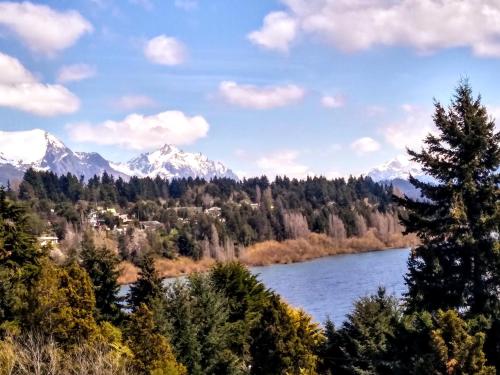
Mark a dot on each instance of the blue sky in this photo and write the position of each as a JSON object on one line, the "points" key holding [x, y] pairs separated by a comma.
{"points": [[293, 87]]}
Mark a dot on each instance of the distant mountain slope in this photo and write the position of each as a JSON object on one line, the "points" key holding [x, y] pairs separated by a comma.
{"points": [[397, 172], [38, 149], [170, 162], [398, 168]]}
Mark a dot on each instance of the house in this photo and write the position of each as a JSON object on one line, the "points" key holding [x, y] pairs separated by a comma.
{"points": [[47, 240], [151, 225], [189, 209], [213, 211], [111, 211], [93, 219], [124, 218]]}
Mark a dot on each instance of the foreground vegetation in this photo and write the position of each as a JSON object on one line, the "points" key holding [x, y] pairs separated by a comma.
{"points": [[64, 316]]}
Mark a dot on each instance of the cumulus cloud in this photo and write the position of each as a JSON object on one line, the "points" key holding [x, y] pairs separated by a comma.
{"points": [[426, 26], [411, 130], [365, 145], [250, 96], [332, 102], [139, 132], [132, 102], [283, 163], [76, 72], [19, 89], [278, 31], [42, 28], [165, 50]]}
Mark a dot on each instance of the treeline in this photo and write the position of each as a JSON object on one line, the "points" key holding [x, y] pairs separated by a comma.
{"points": [[246, 212]]}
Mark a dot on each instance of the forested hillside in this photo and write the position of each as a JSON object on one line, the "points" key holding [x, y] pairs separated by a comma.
{"points": [[215, 219]]}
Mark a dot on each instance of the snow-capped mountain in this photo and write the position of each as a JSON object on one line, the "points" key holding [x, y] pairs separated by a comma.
{"points": [[38, 149], [397, 172], [170, 162], [398, 168]]}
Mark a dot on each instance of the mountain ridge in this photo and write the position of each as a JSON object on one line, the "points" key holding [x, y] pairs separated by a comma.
{"points": [[40, 150]]}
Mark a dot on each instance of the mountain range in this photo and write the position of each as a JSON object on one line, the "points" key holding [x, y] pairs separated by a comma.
{"points": [[38, 149], [397, 172]]}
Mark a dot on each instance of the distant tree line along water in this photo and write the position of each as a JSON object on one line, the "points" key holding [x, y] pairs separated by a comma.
{"points": [[214, 219]]}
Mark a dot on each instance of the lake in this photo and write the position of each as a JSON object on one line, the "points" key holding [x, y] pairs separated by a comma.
{"points": [[329, 286]]}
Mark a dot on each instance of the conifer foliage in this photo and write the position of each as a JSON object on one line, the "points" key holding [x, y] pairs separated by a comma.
{"points": [[458, 262]]}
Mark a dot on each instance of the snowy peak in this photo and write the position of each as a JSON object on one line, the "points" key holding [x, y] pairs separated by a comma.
{"points": [[398, 168], [27, 147], [40, 150], [171, 162]]}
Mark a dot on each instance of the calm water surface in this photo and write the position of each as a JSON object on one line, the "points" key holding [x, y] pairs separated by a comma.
{"points": [[329, 286]]}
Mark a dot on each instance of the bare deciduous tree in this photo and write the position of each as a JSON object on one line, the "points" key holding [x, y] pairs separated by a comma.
{"points": [[295, 225]]}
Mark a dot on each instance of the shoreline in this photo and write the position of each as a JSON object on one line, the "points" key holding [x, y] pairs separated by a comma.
{"points": [[268, 253]]}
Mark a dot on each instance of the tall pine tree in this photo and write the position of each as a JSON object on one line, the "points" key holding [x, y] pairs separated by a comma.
{"points": [[457, 264], [148, 288], [102, 266]]}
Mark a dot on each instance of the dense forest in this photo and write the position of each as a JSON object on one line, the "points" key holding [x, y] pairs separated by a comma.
{"points": [[65, 316], [211, 219]]}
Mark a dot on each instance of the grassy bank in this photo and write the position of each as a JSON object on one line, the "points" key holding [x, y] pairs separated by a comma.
{"points": [[273, 252], [317, 246]]}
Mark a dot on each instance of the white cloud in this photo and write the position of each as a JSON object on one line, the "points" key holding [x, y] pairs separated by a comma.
{"points": [[42, 28], [416, 124], [365, 145], [283, 163], [250, 96], [165, 50], [19, 89], [76, 72], [494, 112], [411, 130], [132, 102], [186, 4], [425, 25], [278, 31], [141, 132], [13, 72], [336, 101]]}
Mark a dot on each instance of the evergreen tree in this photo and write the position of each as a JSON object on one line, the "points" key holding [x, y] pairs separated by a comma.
{"points": [[442, 343], [197, 320], [63, 304], [457, 264], [102, 267], [152, 351], [149, 286], [363, 344], [19, 261]]}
